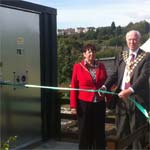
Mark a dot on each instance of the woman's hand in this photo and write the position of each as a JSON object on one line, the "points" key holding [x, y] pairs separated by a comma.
{"points": [[103, 88], [73, 111]]}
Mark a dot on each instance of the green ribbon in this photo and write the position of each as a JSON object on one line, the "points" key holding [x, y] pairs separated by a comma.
{"points": [[140, 107], [68, 89]]}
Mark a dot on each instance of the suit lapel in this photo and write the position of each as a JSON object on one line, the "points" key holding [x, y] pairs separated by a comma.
{"points": [[122, 69]]}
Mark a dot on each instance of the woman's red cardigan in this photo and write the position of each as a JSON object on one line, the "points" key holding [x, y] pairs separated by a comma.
{"points": [[82, 79]]}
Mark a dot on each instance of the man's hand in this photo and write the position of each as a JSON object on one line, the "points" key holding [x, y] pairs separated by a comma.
{"points": [[124, 94]]}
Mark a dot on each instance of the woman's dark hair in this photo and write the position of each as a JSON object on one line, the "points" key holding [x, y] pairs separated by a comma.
{"points": [[88, 46]]}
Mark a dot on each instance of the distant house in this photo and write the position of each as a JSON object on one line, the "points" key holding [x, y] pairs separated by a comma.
{"points": [[60, 32], [70, 31], [80, 30]]}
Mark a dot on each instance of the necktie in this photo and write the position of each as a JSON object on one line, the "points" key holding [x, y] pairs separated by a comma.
{"points": [[132, 57], [127, 84]]}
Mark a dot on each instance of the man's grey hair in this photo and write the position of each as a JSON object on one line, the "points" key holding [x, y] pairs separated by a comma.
{"points": [[136, 31]]}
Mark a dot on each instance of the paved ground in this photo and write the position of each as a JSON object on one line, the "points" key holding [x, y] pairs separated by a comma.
{"points": [[53, 145]]}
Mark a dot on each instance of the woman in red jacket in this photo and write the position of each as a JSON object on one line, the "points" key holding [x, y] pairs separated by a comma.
{"points": [[89, 106]]}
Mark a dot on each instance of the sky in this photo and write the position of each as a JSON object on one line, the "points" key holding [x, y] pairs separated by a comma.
{"points": [[97, 13]]}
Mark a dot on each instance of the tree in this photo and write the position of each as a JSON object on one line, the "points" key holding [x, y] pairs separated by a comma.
{"points": [[68, 54], [113, 28]]}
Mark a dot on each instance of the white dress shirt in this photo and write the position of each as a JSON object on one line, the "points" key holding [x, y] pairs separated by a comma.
{"points": [[125, 71]]}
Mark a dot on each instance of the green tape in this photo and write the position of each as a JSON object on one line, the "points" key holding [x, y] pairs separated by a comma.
{"points": [[140, 107], [69, 89]]}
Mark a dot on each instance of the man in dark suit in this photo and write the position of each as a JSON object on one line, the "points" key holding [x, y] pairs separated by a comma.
{"points": [[131, 78]]}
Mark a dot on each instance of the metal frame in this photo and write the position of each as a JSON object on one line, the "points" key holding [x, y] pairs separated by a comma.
{"points": [[50, 107]]}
